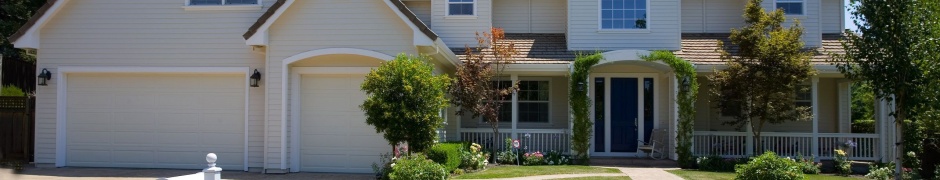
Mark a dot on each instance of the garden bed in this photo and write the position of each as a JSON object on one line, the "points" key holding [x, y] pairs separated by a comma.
{"points": [[511, 171]]}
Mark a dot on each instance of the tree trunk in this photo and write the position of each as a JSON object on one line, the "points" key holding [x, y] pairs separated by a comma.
{"points": [[899, 136]]}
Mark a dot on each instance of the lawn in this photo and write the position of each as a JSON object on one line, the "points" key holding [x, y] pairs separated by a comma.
{"points": [[523, 171], [599, 178], [705, 175]]}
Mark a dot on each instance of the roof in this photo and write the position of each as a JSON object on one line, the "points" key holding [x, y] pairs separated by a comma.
{"points": [[32, 20], [533, 49], [702, 48], [401, 7]]}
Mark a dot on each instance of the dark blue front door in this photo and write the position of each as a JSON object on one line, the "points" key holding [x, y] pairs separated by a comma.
{"points": [[623, 114]]}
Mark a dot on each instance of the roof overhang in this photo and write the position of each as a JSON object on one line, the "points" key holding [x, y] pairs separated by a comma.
{"points": [[27, 37]]}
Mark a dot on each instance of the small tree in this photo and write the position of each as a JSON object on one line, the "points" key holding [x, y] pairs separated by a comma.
{"points": [[404, 101], [760, 83], [474, 89], [580, 106]]}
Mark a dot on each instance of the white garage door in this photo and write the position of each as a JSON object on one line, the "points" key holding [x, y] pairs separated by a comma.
{"points": [[155, 120], [334, 134]]}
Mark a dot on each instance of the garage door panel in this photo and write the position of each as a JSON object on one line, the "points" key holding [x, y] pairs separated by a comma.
{"points": [[155, 120]]}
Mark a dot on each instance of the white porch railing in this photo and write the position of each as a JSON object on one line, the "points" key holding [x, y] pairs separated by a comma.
{"points": [[737, 144], [537, 139]]}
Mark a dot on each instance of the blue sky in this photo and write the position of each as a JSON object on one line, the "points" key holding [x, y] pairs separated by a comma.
{"points": [[848, 18]]}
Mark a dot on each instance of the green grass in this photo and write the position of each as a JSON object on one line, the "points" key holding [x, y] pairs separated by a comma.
{"points": [[523, 171], [599, 178], [705, 175]]}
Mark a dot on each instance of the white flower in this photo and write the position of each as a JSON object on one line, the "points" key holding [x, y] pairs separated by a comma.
{"points": [[551, 163], [393, 164]]}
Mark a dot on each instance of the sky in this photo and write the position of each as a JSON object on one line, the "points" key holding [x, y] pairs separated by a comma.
{"points": [[848, 18]]}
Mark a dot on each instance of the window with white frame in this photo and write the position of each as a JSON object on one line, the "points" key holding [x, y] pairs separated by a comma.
{"points": [[222, 2], [790, 7], [461, 7], [623, 14], [533, 102], [804, 96]]}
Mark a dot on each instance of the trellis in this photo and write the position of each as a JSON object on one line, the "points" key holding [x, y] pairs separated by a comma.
{"points": [[16, 128]]}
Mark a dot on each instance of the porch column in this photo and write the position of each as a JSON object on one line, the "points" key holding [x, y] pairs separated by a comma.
{"points": [[675, 116], [845, 107], [749, 141], [515, 107], [815, 93]]}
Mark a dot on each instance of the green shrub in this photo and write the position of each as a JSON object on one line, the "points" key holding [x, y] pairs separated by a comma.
{"points": [[11, 90], [863, 126], [507, 157], [447, 154], [843, 166], [472, 158], [534, 159], [417, 166], [769, 166], [717, 163], [556, 158], [808, 166]]}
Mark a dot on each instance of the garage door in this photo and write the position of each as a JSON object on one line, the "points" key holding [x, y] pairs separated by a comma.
{"points": [[334, 133], [155, 120]]}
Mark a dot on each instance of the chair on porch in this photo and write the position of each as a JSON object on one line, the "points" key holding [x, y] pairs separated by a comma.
{"points": [[656, 147]]}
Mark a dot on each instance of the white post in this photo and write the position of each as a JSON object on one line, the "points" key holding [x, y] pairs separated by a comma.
{"points": [[212, 172], [845, 107], [515, 109], [749, 141], [815, 106], [675, 116]]}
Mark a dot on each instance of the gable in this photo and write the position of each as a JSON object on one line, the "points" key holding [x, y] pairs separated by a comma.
{"points": [[28, 34]]}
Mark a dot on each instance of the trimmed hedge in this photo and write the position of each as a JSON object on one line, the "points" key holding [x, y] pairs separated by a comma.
{"points": [[447, 154]]}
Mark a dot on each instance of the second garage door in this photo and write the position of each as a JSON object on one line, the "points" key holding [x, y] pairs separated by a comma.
{"points": [[334, 134], [155, 120]]}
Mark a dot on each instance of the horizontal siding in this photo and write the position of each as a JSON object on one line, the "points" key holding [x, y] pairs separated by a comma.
{"points": [[812, 33], [458, 33], [714, 16], [832, 16], [583, 25], [530, 16], [145, 33], [693, 16], [422, 9]]}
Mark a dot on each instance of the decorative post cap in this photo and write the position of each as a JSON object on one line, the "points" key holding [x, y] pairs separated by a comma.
{"points": [[211, 158]]}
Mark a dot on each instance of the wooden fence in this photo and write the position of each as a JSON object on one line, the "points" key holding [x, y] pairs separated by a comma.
{"points": [[19, 73], [17, 128]]}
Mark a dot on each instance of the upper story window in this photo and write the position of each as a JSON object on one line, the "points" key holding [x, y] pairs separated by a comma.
{"points": [[222, 5], [790, 7], [624, 14], [461, 7]]}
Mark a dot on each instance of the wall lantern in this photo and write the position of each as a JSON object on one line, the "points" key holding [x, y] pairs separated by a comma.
{"points": [[255, 78], [580, 87], [44, 76], [685, 82]]}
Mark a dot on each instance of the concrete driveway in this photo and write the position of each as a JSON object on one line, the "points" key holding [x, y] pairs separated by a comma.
{"points": [[152, 174]]}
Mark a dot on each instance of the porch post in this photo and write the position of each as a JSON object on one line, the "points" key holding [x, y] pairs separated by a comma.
{"points": [[675, 117], [749, 141], [515, 108], [815, 93], [845, 107]]}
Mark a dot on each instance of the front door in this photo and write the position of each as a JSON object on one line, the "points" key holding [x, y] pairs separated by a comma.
{"points": [[623, 113]]}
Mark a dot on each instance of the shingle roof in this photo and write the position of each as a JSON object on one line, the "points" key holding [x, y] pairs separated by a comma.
{"points": [[534, 49], [701, 48]]}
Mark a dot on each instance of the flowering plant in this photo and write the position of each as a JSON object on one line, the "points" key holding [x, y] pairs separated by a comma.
{"points": [[535, 158], [556, 158], [843, 166]]}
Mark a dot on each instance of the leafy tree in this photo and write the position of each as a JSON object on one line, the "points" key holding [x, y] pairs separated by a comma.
{"points": [[13, 14], [580, 106], [760, 83], [894, 51], [404, 101], [475, 89]]}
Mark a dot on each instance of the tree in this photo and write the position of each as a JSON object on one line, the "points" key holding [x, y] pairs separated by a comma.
{"points": [[759, 85], [580, 106], [476, 90], [404, 101], [13, 14], [895, 52]]}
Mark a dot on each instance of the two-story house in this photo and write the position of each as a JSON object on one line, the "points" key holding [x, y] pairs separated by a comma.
{"points": [[273, 85]]}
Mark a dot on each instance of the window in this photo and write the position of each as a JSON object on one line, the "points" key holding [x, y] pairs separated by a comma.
{"points": [[223, 2], [790, 7], [804, 96], [460, 7], [623, 14], [533, 102]]}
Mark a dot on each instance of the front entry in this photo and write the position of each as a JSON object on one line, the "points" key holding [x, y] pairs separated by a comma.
{"points": [[623, 113]]}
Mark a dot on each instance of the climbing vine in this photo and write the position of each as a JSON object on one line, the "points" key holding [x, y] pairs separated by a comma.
{"points": [[688, 92], [580, 104]]}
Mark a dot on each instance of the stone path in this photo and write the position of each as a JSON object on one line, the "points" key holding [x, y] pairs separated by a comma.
{"points": [[635, 173]]}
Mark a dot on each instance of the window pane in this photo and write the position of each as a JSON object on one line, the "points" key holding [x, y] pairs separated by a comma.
{"points": [[599, 120], [623, 14], [607, 4], [618, 4], [205, 2], [533, 112], [241, 1], [629, 4], [641, 4], [793, 8], [461, 9]]}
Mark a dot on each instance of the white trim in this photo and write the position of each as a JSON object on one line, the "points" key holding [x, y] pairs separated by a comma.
{"points": [[30, 38], [447, 14], [815, 94], [514, 112], [600, 20], [62, 93], [285, 89], [640, 120], [802, 11], [251, 7]]}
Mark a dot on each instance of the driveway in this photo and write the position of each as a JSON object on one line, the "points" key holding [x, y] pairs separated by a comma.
{"points": [[152, 174]]}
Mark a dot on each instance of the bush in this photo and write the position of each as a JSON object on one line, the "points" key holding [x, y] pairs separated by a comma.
{"points": [[880, 173], [769, 166], [533, 159], [716, 163], [417, 166], [384, 167], [808, 166], [472, 158], [556, 158], [11, 91], [863, 126], [843, 166], [447, 154], [507, 157]]}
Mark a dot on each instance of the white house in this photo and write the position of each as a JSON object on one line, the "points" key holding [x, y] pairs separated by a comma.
{"points": [[158, 84]]}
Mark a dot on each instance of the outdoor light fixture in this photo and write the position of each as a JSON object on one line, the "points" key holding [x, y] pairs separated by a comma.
{"points": [[255, 78], [580, 86], [685, 82], [44, 75]]}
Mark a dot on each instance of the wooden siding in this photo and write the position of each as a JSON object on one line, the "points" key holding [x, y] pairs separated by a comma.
{"points": [[530, 16], [459, 32], [714, 16], [422, 9], [583, 26], [145, 33]]}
